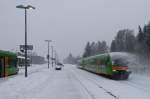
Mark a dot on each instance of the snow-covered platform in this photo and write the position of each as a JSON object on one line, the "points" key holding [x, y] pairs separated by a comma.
{"points": [[71, 83]]}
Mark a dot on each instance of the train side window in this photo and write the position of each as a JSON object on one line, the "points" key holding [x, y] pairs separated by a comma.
{"points": [[12, 62]]}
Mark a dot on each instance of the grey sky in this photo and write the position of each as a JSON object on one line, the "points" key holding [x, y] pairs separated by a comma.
{"points": [[69, 23]]}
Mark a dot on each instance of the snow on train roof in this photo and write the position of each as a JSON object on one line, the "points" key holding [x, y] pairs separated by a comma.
{"points": [[116, 55], [130, 58], [120, 58], [134, 60]]}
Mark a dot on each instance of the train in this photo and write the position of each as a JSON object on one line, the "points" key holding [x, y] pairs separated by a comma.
{"points": [[111, 65], [8, 63]]}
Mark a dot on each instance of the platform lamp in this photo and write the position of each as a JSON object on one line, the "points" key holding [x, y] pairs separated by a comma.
{"points": [[25, 8]]}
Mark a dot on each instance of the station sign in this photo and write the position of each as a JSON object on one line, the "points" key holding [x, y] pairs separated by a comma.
{"points": [[29, 47]]}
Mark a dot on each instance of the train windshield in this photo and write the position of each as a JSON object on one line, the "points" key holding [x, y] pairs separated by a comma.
{"points": [[120, 62]]}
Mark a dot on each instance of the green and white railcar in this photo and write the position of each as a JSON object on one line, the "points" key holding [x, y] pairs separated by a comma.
{"points": [[107, 65], [8, 63]]}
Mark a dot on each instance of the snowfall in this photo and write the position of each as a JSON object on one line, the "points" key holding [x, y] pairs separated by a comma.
{"points": [[71, 83]]}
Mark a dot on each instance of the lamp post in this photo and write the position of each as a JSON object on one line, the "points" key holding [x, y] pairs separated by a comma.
{"points": [[52, 55], [55, 58], [48, 56], [25, 8]]}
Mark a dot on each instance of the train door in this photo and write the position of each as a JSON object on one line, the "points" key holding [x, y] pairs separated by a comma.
{"points": [[97, 66], [6, 66], [1, 67]]}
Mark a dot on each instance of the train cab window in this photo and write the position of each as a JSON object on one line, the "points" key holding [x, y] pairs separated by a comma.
{"points": [[120, 62]]}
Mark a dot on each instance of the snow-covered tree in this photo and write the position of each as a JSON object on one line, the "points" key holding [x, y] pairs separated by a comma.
{"points": [[95, 48], [87, 51], [124, 41]]}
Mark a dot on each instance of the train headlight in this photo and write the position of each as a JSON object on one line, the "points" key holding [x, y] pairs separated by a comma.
{"points": [[114, 70]]}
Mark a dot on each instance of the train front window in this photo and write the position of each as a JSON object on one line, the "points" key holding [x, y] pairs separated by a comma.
{"points": [[120, 62]]}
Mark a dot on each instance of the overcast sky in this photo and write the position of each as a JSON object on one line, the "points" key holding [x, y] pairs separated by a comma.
{"points": [[69, 23]]}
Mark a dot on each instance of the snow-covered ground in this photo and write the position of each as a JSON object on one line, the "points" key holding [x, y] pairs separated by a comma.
{"points": [[71, 83]]}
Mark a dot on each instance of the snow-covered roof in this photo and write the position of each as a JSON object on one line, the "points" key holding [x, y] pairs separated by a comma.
{"points": [[21, 57]]}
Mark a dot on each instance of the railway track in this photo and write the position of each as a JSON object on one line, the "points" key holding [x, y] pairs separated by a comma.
{"points": [[137, 86], [110, 93], [95, 83], [83, 86]]}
